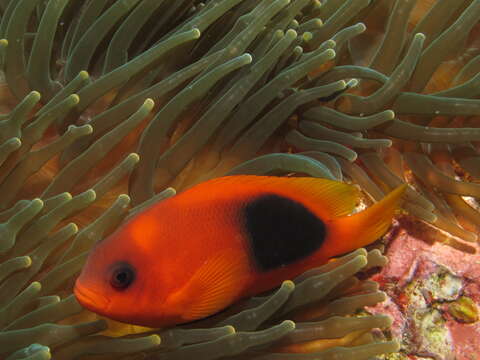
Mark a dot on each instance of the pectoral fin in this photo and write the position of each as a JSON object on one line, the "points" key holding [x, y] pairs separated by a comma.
{"points": [[213, 287]]}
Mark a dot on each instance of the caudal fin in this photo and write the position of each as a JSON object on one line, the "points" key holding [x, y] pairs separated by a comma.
{"points": [[358, 230]]}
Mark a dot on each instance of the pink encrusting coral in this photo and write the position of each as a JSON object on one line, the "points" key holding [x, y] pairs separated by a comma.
{"points": [[433, 295]]}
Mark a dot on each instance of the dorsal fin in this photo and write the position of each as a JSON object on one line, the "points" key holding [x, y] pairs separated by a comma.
{"points": [[333, 198]]}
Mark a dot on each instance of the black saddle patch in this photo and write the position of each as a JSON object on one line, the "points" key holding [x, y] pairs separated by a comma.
{"points": [[281, 231]]}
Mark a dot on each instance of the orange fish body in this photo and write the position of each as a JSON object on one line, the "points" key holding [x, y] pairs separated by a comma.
{"points": [[194, 254]]}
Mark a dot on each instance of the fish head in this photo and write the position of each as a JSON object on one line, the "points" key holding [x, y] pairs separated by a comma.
{"points": [[120, 280]]}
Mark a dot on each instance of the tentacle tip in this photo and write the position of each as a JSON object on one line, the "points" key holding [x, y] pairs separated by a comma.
{"points": [[362, 252], [288, 284], [15, 143], [156, 340], [342, 84], [362, 260], [361, 27], [124, 199], [74, 99], [352, 83], [171, 190], [196, 33], [330, 43], [46, 354], [90, 195], [38, 203], [134, 157], [41, 351], [291, 34], [35, 95], [289, 324], [36, 347], [307, 36], [419, 37], [389, 114], [247, 58], [298, 50], [36, 286], [230, 329], [3, 42], [88, 129], [27, 261], [84, 75], [149, 104], [376, 252], [73, 228], [330, 53]]}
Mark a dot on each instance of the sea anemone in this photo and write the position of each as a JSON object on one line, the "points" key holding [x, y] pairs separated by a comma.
{"points": [[106, 98]]}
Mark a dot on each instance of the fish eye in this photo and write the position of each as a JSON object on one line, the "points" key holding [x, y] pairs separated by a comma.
{"points": [[122, 276]]}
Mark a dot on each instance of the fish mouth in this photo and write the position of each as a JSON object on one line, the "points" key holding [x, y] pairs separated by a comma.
{"points": [[90, 299]]}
